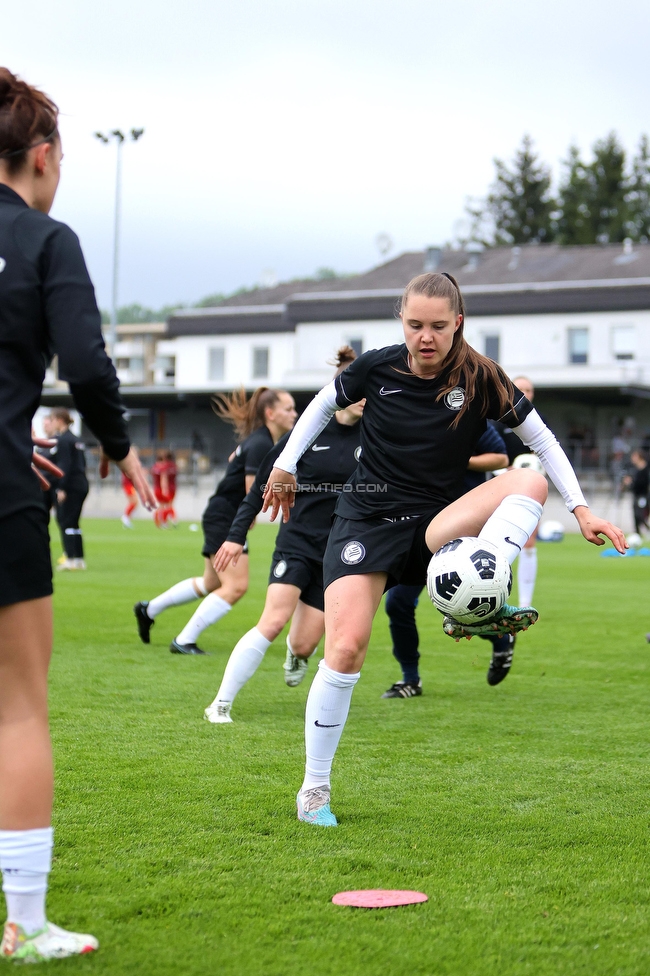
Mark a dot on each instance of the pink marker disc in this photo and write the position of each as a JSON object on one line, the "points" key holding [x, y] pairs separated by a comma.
{"points": [[378, 898]]}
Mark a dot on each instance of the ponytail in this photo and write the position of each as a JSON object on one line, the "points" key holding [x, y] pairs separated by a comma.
{"points": [[245, 414], [344, 356], [27, 119]]}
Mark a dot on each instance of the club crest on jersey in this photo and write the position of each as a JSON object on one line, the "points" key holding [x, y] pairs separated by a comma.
{"points": [[357, 453], [280, 569], [353, 553], [455, 398]]}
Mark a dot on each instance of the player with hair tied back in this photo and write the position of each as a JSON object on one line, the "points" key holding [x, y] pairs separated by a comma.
{"points": [[47, 307], [295, 589], [427, 402], [71, 490], [260, 421]]}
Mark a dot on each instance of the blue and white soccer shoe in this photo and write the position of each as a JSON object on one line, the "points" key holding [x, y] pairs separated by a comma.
{"points": [[314, 807]]}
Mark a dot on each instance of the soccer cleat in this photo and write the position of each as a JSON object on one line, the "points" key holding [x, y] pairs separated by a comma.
{"points": [[218, 713], [126, 522], [80, 564], [501, 661], [65, 566], [50, 942], [177, 648], [145, 623], [314, 807], [295, 669], [404, 689], [509, 620]]}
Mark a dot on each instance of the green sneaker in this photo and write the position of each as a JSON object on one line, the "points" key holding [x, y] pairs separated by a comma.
{"points": [[48, 943], [508, 620]]}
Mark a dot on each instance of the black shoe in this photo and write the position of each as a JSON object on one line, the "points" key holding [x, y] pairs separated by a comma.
{"points": [[503, 650], [404, 689], [145, 623], [177, 648]]}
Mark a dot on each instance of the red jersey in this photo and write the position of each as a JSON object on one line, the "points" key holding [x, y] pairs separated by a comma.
{"points": [[127, 485], [169, 469]]}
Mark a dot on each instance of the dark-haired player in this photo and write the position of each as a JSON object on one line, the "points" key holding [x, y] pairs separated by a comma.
{"points": [[427, 402], [47, 307], [71, 490], [260, 421]]}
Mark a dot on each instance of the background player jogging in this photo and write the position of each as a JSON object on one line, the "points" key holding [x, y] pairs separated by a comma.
{"points": [[295, 589], [260, 421], [427, 402]]}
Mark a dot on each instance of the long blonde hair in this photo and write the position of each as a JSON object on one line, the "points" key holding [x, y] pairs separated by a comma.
{"points": [[466, 366], [246, 414]]}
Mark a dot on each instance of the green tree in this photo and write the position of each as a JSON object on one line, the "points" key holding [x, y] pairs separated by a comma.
{"points": [[637, 197], [519, 208], [574, 225], [592, 200]]}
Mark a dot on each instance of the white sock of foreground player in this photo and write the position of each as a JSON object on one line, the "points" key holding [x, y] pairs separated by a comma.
{"points": [[210, 610], [510, 527], [183, 592], [25, 861], [327, 710], [242, 664], [526, 576]]}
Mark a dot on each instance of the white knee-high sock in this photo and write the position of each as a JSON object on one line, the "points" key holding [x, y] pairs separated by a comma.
{"points": [[25, 861], [526, 576], [210, 610], [510, 527], [175, 596], [327, 710], [242, 664]]}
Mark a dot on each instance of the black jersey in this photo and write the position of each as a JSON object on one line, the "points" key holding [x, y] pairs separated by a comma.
{"points": [[322, 474], [68, 454], [412, 460], [47, 306], [640, 486], [248, 457]]}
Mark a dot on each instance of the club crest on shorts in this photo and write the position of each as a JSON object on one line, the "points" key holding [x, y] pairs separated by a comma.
{"points": [[455, 398], [280, 569], [357, 453], [353, 553]]}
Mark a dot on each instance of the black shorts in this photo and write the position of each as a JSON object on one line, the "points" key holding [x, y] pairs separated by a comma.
{"points": [[216, 523], [300, 571], [25, 564], [379, 545]]}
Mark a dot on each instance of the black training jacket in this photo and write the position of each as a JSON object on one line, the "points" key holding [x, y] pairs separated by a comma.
{"points": [[47, 307]]}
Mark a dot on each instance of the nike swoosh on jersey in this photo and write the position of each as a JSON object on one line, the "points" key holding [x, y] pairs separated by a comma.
{"points": [[384, 392], [317, 447], [326, 726]]}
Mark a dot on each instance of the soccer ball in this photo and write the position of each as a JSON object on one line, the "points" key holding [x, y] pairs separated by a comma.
{"points": [[530, 461], [469, 579]]}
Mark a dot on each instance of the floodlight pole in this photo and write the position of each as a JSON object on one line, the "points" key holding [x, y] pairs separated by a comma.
{"points": [[118, 136]]}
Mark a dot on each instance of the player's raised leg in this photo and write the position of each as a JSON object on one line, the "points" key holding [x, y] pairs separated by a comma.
{"points": [[346, 641]]}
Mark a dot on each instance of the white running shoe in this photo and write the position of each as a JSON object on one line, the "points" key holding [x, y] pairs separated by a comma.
{"points": [[218, 713], [295, 669], [49, 943]]}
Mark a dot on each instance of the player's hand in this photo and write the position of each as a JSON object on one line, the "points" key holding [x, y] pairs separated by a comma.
{"points": [[593, 527], [280, 494], [131, 467], [40, 463], [229, 553]]}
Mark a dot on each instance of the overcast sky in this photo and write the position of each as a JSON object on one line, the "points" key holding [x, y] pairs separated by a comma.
{"points": [[285, 135]]}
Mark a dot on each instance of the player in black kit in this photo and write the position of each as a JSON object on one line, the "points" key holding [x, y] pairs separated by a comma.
{"points": [[69, 492], [47, 308], [259, 421], [427, 402], [295, 589]]}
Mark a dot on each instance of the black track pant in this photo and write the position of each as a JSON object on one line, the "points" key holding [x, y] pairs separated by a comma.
{"points": [[67, 514]]}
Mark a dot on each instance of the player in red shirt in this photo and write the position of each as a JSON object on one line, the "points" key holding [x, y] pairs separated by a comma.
{"points": [[164, 473]]}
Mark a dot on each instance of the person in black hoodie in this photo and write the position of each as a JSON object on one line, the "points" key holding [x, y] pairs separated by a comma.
{"points": [[71, 490], [47, 307]]}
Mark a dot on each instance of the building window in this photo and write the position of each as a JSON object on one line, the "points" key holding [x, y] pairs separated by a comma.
{"points": [[623, 341], [217, 364], [357, 345], [578, 346], [492, 343], [260, 363]]}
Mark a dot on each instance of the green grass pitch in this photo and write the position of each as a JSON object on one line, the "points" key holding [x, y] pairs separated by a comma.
{"points": [[521, 810]]}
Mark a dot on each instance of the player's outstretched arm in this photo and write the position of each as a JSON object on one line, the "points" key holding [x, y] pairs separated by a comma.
{"points": [[132, 468], [280, 494], [229, 553], [593, 528]]}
